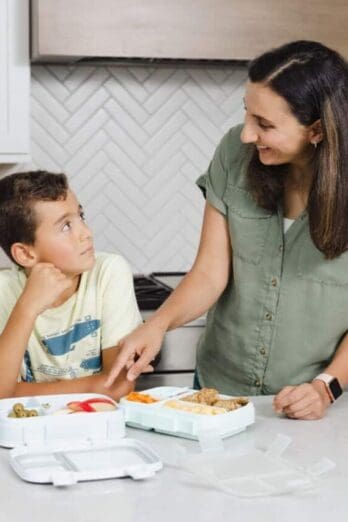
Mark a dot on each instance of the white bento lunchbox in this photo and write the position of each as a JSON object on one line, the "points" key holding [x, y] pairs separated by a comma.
{"points": [[159, 417], [65, 449]]}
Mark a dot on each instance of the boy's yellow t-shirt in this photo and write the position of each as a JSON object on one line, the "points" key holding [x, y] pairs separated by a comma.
{"points": [[66, 342]]}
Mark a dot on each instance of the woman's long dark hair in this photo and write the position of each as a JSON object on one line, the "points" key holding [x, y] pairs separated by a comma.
{"points": [[313, 79]]}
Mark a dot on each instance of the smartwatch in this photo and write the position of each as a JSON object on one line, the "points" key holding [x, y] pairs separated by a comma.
{"points": [[332, 385]]}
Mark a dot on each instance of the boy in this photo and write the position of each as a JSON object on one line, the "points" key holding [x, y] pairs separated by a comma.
{"points": [[62, 309]]}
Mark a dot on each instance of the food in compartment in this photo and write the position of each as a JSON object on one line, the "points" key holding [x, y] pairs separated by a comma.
{"points": [[20, 412], [231, 404], [211, 397], [140, 397], [205, 396], [92, 405], [190, 407]]}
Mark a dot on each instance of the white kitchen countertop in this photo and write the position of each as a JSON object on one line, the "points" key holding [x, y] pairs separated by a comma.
{"points": [[173, 495]]}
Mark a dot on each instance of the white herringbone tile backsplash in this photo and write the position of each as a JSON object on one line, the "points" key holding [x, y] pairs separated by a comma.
{"points": [[132, 141]]}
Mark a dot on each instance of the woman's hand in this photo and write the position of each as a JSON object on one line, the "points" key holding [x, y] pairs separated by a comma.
{"points": [[137, 351], [307, 401], [119, 388]]}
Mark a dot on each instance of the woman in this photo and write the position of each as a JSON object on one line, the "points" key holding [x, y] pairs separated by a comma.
{"points": [[272, 264]]}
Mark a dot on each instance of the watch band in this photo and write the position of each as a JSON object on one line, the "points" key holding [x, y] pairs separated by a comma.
{"points": [[325, 377], [332, 385]]}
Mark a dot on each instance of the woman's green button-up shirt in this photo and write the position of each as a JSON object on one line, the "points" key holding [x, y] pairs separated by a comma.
{"points": [[285, 310]]}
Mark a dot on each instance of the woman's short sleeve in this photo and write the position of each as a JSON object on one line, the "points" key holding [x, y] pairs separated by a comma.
{"points": [[227, 155]]}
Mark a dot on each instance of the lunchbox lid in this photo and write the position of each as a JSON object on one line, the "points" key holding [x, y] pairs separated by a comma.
{"points": [[66, 463], [256, 472], [50, 427]]}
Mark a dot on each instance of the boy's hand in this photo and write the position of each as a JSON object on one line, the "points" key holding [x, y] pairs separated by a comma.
{"points": [[145, 343], [44, 286], [307, 401]]}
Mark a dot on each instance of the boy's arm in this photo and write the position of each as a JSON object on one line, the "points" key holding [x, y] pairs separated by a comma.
{"points": [[90, 384], [44, 285], [13, 343], [122, 386]]}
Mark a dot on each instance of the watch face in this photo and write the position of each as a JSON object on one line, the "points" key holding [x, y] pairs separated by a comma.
{"points": [[335, 388]]}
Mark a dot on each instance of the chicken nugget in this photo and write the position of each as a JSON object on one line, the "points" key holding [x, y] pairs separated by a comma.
{"points": [[206, 396]]}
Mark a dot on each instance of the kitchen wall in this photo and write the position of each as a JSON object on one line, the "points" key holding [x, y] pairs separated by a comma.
{"points": [[132, 141]]}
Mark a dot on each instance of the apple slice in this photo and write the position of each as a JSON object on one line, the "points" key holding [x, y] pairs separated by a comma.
{"points": [[100, 404], [92, 405], [103, 406], [78, 406]]}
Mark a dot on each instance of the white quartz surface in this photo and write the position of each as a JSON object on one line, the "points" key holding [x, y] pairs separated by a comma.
{"points": [[173, 495]]}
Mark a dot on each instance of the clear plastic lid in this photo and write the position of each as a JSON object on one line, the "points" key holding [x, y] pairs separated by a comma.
{"points": [[256, 473]]}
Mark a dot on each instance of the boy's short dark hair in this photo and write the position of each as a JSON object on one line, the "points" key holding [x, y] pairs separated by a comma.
{"points": [[18, 193]]}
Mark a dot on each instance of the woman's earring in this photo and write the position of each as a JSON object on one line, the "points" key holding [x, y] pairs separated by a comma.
{"points": [[315, 144]]}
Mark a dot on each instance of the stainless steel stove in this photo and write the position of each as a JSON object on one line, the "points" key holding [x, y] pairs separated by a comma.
{"points": [[176, 363], [150, 292]]}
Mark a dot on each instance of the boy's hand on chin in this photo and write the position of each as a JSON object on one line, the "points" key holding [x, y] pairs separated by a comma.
{"points": [[44, 286]]}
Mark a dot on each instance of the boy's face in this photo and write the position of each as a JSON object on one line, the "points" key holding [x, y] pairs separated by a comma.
{"points": [[62, 236]]}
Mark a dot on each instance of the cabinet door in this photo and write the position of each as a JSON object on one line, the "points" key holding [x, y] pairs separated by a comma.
{"points": [[66, 30], [14, 81]]}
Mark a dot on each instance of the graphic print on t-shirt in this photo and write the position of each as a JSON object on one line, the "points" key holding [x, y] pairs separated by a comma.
{"points": [[63, 343], [69, 353], [29, 377]]}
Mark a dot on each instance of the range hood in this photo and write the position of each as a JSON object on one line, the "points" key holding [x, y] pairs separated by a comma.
{"points": [[70, 30]]}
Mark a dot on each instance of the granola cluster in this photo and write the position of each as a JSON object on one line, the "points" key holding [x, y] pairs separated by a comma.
{"points": [[211, 397]]}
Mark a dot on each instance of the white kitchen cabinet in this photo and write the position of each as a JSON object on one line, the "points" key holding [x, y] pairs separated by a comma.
{"points": [[14, 81]]}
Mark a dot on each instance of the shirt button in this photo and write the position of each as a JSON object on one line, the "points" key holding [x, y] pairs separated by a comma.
{"points": [[274, 281], [268, 316], [263, 350], [257, 383], [280, 248]]}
